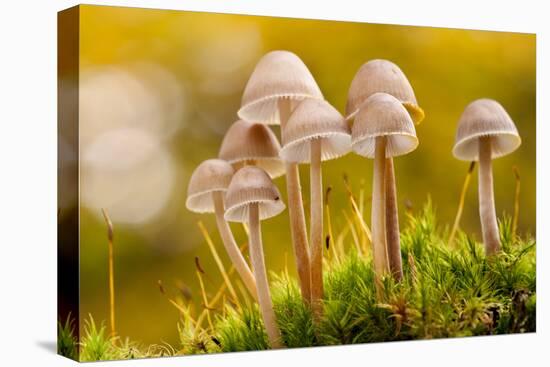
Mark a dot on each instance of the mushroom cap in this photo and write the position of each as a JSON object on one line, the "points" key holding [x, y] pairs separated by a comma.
{"points": [[252, 185], [279, 74], [210, 176], [252, 141], [315, 119], [382, 76], [481, 118], [383, 115]]}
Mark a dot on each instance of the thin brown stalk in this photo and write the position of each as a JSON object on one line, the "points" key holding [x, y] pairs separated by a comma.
{"points": [[181, 308], [220, 294], [356, 212], [110, 238], [516, 203], [340, 240], [204, 299], [351, 227], [218, 261], [331, 239], [463, 192]]}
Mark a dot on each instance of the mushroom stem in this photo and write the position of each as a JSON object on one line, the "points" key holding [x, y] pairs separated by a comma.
{"points": [[392, 223], [316, 239], [296, 213], [487, 212], [378, 216], [258, 264], [231, 246]]}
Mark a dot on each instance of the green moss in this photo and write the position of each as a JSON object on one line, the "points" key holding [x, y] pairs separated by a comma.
{"points": [[67, 344], [446, 292], [96, 345]]}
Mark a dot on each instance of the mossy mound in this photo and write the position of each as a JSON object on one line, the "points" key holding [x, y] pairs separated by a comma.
{"points": [[446, 292]]}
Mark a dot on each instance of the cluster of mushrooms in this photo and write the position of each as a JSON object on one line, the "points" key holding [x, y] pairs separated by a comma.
{"points": [[381, 114]]}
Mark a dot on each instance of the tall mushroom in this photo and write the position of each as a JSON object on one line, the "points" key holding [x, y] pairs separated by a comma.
{"points": [[252, 143], [279, 82], [382, 129], [252, 197], [384, 76], [485, 131], [315, 132], [205, 194]]}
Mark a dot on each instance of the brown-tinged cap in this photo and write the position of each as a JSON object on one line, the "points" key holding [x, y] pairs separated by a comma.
{"points": [[252, 185], [279, 74], [383, 115], [210, 176], [485, 118], [315, 119], [382, 76], [250, 141]]}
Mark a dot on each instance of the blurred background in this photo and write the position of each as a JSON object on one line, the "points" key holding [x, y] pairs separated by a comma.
{"points": [[159, 88]]}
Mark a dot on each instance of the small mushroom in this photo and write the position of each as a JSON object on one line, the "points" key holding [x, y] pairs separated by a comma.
{"points": [[485, 131], [384, 76], [252, 197], [279, 82], [251, 143], [205, 194], [278, 76], [383, 128], [315, 132]]}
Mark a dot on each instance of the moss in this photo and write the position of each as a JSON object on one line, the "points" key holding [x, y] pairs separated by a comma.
{"points": [[67, 344], [447, 291]]}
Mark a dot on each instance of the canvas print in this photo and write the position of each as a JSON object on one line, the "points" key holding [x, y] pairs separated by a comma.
{"points": [[236, 183]]}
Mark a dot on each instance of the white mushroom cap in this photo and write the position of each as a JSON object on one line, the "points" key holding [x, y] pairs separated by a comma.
{"points": [[212, 175], [279, 74], [383, 115], [482, 118], [315, 119], [382, 76], [252, 185], [251, 141]]}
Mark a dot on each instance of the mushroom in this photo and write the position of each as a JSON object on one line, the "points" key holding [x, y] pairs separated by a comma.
{"points": [[383, 128], [279, 82], [485, 131], [252, 197], [315, 132], [205, 194], [251, 143], [384, 76]]}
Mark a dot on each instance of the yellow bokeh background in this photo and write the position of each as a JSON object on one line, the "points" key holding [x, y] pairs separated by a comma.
{"points": [[159, 88]]}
